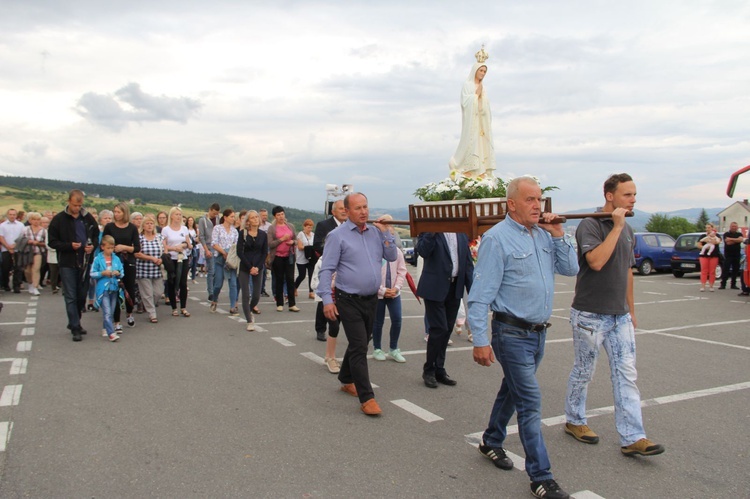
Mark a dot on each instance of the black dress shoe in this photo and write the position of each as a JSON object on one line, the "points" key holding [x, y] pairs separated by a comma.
{"points": [[735, 287], [446, 380], [429, 380], [82, 331], [77, 335], [321, 336], [744, 293]]}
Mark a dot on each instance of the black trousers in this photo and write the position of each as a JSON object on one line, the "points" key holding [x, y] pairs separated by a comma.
{"points": [[441, 317], [321, 321], [283, 271], [731, 269], [128, 279], [357, 315], [178, 283], [8, 264]]}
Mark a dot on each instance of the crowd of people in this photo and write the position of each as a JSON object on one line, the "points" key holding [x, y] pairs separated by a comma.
{"points": [[117, 262], [355, 272]]}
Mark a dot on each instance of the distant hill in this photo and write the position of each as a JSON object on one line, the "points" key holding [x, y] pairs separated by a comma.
{"points": [[102, 195]]}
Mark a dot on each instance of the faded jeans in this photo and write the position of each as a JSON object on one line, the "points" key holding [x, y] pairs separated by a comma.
{"points": [[617, 335], [108, 305]]}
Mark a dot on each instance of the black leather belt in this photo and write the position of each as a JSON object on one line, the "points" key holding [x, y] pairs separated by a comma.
{"points": [[514, 321], [356, 297]]}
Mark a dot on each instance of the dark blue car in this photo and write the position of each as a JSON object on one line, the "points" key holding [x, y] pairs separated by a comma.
{"points": [[653, 251]]}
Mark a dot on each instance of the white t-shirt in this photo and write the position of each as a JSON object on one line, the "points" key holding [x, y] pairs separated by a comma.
{"points": [[307, 241], [175, 237]]}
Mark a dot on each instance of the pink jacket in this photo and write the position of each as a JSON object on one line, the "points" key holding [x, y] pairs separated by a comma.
{"points": [[398, 274]]}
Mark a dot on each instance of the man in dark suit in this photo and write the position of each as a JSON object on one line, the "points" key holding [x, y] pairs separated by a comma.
{"points": [[448, 270], [321, 231], [324, 227]]}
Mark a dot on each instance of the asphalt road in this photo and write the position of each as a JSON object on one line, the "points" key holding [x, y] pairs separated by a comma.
{"points": [[198, 407]]}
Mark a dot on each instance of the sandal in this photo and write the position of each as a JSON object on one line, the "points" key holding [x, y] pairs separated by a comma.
{"points": [[185, 312], [175, 313], [153, 320], [256, 311]]}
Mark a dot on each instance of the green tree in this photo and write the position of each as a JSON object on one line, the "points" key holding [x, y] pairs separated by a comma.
{"points": [[672, 226], [703, 219]]}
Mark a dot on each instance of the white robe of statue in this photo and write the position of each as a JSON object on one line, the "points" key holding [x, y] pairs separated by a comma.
{"points": [[475, 154]]}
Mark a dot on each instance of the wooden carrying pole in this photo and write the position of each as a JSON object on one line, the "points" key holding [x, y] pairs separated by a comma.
{"points": [[476, 226]]}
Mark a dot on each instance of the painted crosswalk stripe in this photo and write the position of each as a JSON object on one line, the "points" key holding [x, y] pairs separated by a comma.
{"points": [[28, 331], [11, 395], [31, 311], [19, 366], [282, 341], [23, 346], [416, 410]]}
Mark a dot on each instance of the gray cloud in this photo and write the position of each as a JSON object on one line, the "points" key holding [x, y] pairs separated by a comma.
{"points": [[131, 104]]}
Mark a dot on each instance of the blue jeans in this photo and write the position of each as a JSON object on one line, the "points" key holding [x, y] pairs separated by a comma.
{"points": [[519, 353], [108, 304], [210, 274], [231, 276], [394, 311], [75, 286], [617, 335]]}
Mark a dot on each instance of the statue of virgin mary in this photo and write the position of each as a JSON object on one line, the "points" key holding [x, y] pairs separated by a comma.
{"points": [[475, 155]]}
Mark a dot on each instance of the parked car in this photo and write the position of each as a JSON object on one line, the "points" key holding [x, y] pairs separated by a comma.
{"points": [[653, 251], [685, 255], [407, 246]]}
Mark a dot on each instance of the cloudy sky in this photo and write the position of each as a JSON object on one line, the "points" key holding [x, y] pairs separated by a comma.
{"points": [[275, 99]]}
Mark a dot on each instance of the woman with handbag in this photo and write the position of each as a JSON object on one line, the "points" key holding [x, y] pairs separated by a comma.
{"points": [[305, 257], [178, 244], [224, 239], [252, 248], [281, 238], [36, 247]]}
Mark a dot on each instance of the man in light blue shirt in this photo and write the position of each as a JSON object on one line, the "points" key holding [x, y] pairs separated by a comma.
{"points": [[355, 251], [514, 278]]}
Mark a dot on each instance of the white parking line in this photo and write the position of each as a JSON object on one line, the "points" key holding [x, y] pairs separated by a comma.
{"points": [[282, 341], [28, 331], [5, 429], [313, 357], [19, 366], [691, 326], [654, 293], [700, 340], [11, 395], [23, 346], [416, 410], [473, 438]]}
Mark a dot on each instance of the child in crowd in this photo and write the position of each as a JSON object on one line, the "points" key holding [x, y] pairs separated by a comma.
{"points": [[107, 271], [709, 243], [320, 323]]}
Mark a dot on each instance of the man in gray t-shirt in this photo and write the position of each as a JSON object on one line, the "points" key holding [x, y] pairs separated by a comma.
{"points": [[603, 314]]}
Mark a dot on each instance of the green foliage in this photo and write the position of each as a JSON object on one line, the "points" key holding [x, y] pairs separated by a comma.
{"points": [[45, 193], [674, 226], [703, 219]]}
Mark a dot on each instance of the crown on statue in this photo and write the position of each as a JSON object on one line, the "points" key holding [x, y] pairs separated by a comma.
{"points": [[482, 55]]}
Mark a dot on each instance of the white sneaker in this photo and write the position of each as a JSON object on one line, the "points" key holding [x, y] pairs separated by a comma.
{"points": [[114, 337], [378, 354], [250, 327], [32, 289], [104, 333]]}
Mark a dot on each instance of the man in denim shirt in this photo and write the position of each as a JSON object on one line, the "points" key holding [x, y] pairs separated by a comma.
{"points": [[603, 314], [514, 277]]}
